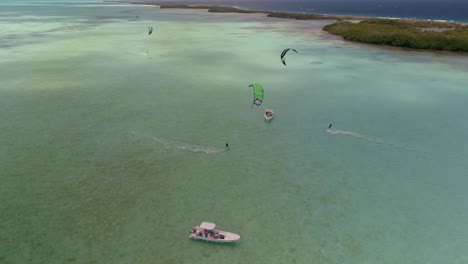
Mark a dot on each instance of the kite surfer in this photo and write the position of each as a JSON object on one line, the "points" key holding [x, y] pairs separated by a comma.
{"points": [[227, 145], [329, 126]]}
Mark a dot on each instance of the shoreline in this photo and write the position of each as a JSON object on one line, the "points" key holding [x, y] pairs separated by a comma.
{"points": [[234, 9], [393, 32], [291, 15]]}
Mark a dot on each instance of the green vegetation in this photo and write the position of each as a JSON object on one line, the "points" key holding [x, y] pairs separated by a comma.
{"points": [[404, 33]]}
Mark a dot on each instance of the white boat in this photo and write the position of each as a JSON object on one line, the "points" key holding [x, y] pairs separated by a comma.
{"points": [[206, 231], [268, 114]]}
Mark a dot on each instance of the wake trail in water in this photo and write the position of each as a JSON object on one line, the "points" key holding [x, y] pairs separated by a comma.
{"points": [[139, 53], [169, 144], [363, 137], [353, 134]]}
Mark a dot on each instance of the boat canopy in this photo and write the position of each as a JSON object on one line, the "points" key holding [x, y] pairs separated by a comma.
{"points": [[207, 225]]}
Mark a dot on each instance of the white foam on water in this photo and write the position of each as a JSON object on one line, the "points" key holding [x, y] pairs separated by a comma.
{"points": [[364, 137], [353, 134], [139, 53], [169, 144]]}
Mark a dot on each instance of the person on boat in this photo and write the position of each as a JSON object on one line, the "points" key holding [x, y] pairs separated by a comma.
{"points": [[329, 126]]}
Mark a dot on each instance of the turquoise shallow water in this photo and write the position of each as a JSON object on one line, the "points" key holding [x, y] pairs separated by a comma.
{"points": [[110, 155]]}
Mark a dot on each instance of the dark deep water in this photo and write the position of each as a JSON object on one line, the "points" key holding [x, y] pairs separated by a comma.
{"points": [[456, 10]]}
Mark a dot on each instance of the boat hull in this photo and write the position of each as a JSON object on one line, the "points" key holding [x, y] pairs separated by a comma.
{"points": [[268, 115], [220, 237]]}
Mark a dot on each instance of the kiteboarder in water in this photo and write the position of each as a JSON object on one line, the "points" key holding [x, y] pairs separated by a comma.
{"points": [[227, 145], [150, 30], [329, 126]]}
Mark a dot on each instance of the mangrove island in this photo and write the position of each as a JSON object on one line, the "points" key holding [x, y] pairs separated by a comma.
{"points": [[405, 33]]}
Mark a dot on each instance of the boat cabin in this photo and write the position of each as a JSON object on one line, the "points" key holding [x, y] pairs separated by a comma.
{"points": [[207, 230]]}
